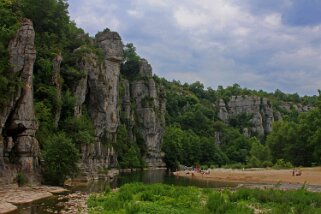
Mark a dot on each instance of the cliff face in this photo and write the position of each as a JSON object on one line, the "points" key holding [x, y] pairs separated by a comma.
{"points": [[19, 149], [98, 91], [147, 112], [260, 111]]}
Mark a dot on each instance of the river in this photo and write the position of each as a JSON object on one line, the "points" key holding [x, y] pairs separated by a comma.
{"points": [[50, 205]]}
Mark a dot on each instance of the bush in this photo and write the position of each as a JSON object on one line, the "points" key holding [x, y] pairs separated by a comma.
{"points": [[282, 164], [21, 179], [267, 164], [60, 157]]}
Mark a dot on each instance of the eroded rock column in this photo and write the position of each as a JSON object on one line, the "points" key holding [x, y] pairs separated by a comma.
{"points": [[18, 119]]}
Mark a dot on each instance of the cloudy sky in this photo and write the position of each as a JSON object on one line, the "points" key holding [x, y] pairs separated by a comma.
{"points": [[259, 44]]}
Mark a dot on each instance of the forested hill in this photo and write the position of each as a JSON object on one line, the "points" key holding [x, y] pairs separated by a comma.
{"points": [[70, 98], [240, 127]]}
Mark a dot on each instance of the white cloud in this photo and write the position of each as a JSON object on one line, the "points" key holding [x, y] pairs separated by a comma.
{"points": [[274, 20], [219, 42], [135, 13]]}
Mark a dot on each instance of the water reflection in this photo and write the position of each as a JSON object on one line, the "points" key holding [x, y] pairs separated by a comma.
{"points": [[162, 176], [148, 177]]}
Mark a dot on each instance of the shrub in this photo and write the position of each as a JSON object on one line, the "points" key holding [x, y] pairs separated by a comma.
{"points": [[216, 203], [21, 179], [282, 164], [60, 157]]}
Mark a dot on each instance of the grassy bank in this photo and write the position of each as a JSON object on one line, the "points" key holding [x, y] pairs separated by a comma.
{"points": [[161, 198]]}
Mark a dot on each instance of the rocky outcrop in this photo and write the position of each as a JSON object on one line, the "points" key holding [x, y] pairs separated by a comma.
{"points": [[149, 113], [260, 110], [98, 91], [288, 106], [19, 147], [140, 100]]}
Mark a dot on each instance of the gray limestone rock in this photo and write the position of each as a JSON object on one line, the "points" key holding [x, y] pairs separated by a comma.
{"points": [[98, 90], [18, 118], [260, 109], [150, 112]]}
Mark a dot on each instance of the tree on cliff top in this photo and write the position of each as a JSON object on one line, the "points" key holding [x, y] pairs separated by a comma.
{"points": [[130, 65]]}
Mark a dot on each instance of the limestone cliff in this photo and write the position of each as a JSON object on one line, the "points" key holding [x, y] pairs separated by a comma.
{"points": [[98, 91], [144, 106], [19, 149], [260, 110]]}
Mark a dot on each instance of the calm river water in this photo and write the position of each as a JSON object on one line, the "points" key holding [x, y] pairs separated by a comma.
{"points": [[147, 177]]}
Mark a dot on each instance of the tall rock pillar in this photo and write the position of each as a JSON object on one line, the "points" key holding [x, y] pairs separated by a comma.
{"points": [[18, 118]]}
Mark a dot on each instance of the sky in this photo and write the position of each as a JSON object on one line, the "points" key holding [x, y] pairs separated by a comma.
{"points": [[259, 44]]}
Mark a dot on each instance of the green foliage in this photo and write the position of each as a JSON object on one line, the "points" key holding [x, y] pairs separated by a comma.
{"points": [[131, 159], [297, 142], [130, 65], [9, 24], [45, 121], [80, 129], [241, 121], [148, 102], [278, 201], [161, 198], [281, 164], [234, 144], [21, 179], [129, 153], [185, 147], [140, 198], [260, 155], [60, 158]]}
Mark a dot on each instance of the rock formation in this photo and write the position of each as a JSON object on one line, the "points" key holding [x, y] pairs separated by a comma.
{"points": [[98, 91], [149, 112], [260, 109], [18, 146]]}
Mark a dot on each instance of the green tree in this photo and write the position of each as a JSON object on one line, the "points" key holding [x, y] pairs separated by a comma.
{"points": [[130, 65], [259, 153], [171, 146], [60, 159], [131, 158]]}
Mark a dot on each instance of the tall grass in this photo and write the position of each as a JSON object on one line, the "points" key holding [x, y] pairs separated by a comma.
{"points": [[161, 198]]}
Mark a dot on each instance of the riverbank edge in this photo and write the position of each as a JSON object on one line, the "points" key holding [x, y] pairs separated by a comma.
{"points": [[12, 195], [252, 184]]}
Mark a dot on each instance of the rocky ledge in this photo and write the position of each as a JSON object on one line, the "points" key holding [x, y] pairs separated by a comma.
{"points": [[12, 195]]}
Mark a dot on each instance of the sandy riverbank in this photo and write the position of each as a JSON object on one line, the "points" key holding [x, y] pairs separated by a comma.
{"points": [[311, 176], [12, 195]]}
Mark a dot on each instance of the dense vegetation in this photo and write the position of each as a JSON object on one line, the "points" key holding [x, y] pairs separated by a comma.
{"points": [[55, 36], [161, 198], [192, 122], [192, 126]]}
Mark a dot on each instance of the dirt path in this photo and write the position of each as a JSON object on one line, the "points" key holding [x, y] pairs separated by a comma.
{"points": [[311, 176]]}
